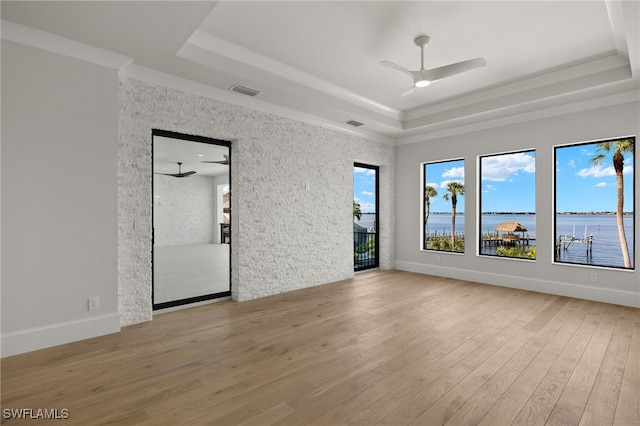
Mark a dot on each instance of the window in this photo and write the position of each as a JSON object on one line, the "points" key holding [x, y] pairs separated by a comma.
{"points": [[507, 223], [443, 206], [365, 217], [594, 198]]}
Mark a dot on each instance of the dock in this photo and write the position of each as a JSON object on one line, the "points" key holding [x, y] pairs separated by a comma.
{"points": [[565, 241], [495, 240]]}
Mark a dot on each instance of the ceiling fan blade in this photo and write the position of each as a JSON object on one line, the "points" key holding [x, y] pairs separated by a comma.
{"points": [[453, 69], [397, 67], [225, 161], [178, 175], [409, 92]]}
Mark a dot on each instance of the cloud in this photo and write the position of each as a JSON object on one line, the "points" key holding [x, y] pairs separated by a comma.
{"points": [[596, 171], [572, 164], [366, 193], [601, 171], [444, 183], [600, 185], [500, 168], [364, 171], [489, 188], [367, 207], [454, 172]]}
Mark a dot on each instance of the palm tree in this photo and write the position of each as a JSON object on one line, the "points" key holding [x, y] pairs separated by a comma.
{"points": [[356, 210], [455, 189], [618, 147], [429, 193]]}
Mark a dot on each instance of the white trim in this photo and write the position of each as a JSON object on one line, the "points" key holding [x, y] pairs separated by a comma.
{"points": [[598, 294], [504, 118], [63, 46], [616, 20], [189, 86], [32, 339], [533, 88], [211, 43]]}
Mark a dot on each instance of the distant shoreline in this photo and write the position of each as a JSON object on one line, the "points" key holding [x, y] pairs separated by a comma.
{"points": [[533, 213]]}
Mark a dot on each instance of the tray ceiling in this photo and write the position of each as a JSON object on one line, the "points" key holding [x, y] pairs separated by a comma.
{"points": [[319, 61]]}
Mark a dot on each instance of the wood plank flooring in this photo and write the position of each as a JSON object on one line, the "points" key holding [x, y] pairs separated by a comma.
{"points": [[388, 348]]}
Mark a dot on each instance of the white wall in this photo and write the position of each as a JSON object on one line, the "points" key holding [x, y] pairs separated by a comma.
{"points": [[615, 286], [184, 210], [283, 236], [59, 198]]}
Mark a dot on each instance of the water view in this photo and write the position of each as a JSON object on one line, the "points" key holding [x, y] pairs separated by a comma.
{"points": [[606, 245], [367, 221]]}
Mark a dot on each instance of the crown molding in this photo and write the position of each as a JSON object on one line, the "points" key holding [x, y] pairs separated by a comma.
{"points": [[62, 46], [616, 20], [210, 43], [189, 86], [606, 69], [584, 101]]}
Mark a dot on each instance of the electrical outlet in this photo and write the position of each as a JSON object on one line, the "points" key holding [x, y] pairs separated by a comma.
{"points": [[594, 277], [94, 303], [438, 259]]}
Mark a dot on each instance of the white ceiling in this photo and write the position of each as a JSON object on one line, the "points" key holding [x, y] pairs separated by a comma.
{"points": [[319, 61], [167, 152]]}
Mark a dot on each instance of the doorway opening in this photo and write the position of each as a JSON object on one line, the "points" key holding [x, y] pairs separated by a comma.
{"points": [[365, 217], [191, 213]]}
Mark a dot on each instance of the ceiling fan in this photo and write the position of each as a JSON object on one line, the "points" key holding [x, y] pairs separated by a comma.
{"points": [[225, 161], [424, 77], [180, 174]]}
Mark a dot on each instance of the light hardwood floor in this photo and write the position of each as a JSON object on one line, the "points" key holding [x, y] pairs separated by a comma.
{"points": [[384, 348]]}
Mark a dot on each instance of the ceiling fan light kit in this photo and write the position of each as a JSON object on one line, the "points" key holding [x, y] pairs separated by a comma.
{"points": [[424, 77]]}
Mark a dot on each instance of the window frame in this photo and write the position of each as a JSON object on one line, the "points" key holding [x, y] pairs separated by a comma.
{"points": [[423, 176], [479, 209], [555, 234]]}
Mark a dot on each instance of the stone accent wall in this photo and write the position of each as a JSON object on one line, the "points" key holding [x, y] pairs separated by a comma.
{"points": [[284, 237], [184, 210]]}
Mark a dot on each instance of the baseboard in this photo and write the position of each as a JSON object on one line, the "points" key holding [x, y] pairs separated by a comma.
{"points": [[57, 334], [606, 295]]}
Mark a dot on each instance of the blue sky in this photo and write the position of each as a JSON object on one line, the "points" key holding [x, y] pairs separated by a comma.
{"points": [[439, 175], [364, 189], [583, 187], [508, 182]]}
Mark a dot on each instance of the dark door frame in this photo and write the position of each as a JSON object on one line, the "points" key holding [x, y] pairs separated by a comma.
{"points": [[376, 262], [202, 298]]}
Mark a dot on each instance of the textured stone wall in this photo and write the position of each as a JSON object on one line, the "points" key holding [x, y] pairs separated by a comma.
{"points": [[285, 237], [184, 210]]}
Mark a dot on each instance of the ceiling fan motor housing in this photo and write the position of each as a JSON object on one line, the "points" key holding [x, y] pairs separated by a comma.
{"points": [[422, 40]]}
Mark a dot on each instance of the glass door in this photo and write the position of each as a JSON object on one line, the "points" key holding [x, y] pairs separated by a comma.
{"points": [[365, 217], [191, 219]]}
